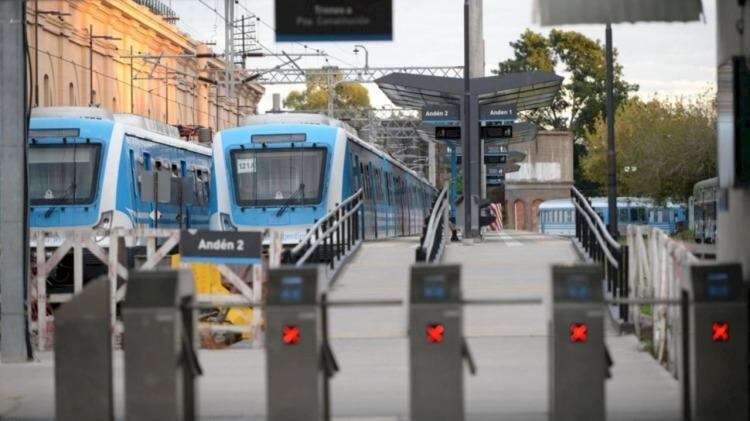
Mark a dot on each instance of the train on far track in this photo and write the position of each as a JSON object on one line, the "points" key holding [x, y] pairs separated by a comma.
{"points": [[557, 217], [89, 168], [286, 171]]}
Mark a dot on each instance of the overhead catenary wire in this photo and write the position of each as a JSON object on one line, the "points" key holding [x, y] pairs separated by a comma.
{"points": [[194, 110], [305, 46]]}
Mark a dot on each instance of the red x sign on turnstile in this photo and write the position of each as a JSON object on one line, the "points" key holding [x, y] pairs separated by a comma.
{"points": [[720, 331], [579, 332], [290, 335], [435, 333]]}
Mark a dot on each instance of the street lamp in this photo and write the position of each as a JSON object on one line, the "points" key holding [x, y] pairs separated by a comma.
{"points": [[91, 59], [38, 12], [367, 55]]}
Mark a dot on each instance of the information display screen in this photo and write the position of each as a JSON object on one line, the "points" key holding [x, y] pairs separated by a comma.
{"points": [[435, 287], [291, 289], [497, 132], [718, 286], [577, 287], [278, 138]]}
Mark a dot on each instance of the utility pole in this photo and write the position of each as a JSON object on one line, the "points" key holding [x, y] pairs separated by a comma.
{"points": [[132, 102], [229, 46], [331, 90], [91, 60], [38, 12], [611, 167], [14, 228]]}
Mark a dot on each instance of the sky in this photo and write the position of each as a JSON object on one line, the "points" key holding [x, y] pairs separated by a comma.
{"points": [[664, 59]]}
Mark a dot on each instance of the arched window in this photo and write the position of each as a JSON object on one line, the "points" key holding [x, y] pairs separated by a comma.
{"points": [[114, 104], [71, 94], [47, 99], [93, 98]]}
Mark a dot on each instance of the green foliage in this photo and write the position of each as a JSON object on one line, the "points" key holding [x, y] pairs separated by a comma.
{"points": [[671, 144], [315, 96], [582, 99]]}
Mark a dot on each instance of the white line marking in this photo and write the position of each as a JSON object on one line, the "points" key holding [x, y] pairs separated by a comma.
{"points": [[508, 240]]}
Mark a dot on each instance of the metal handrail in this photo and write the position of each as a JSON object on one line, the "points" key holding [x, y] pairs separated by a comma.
{"points": [[326, 233], [333, 238], [588, 209], [436, 223], [598, 235], [318, 224], [595, 241]]}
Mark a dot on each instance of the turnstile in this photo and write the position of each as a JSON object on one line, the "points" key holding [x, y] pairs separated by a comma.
{"points": [[83, 356], [715, 370], [437, 347], [294, 345], [577, 362], [160, 333]]}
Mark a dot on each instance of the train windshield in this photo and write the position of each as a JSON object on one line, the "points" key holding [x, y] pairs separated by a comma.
{"points": [[278, 177], [63, 174]]}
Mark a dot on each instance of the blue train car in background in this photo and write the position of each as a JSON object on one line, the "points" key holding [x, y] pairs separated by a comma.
{"points": [[89, 168], [557, 217], [286, 171]]}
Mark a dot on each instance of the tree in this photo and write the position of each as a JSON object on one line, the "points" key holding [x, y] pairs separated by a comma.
{"points": [[347, 95], [663, 147], [582, 98]]}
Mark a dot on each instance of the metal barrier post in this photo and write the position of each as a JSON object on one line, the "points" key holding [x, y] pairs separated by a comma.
{"points": [[83, 356], [717, 339], [294, 345], [160, 333], [577, 361], [436, 343]]}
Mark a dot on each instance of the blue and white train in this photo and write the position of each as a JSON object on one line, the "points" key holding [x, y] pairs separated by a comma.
{"points": [[89, 168], [557, 217], [285, 171]]}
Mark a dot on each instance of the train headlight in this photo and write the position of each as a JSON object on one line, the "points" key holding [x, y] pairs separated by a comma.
{"points": [[226, 223], [105, 221]]}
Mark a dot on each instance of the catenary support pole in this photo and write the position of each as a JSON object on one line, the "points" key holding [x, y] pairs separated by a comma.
{"points": [[91, 65], [132, 101], [465, 125], [611, 167], [14, 340]]}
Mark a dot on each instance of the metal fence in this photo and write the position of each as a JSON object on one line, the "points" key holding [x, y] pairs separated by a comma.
{"points": [[656, 264], [596, 242], [108, 248]]}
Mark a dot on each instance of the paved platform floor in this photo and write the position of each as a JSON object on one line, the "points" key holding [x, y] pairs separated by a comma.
{"points": [[509, 345]]}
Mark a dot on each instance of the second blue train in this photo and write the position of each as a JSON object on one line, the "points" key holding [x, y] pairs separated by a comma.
{"points": [[286, 171]]}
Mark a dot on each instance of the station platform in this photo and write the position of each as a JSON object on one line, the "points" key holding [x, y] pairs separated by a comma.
{"points": [[509, 345]]}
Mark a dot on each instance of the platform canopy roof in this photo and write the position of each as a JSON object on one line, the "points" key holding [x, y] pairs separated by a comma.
{"points": [[569, 12], [525, 91]]}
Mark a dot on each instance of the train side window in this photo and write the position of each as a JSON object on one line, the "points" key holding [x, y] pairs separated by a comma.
{"points": [[364, 180], [206, 185], [134, 173], [623, 215], [377, 186], [388, 187]]}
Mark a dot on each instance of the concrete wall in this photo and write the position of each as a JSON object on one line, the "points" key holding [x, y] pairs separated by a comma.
{"points": [[63, 55], [546, 173]]}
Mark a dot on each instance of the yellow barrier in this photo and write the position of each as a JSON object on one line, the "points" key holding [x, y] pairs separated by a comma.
{"points": [[208, 281]]}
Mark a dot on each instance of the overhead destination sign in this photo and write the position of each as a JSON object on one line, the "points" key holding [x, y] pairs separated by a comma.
{"points": [[243, 247], [497, 113], [441, 114], [334, 20]]}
